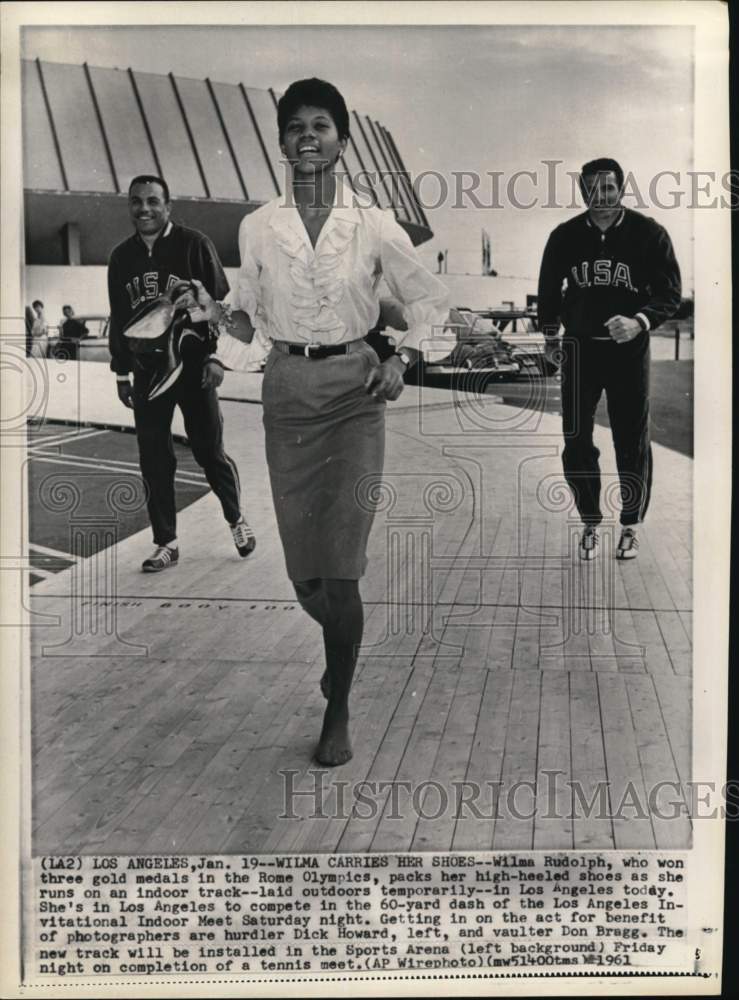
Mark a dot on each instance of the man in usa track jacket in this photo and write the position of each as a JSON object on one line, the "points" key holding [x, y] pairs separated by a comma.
{"points": [[609, 276]]}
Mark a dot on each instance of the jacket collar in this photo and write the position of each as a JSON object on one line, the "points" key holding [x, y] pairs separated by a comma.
{"points": [[162, 236], [614, 225]]}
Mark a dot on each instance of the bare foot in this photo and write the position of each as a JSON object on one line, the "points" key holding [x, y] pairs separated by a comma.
{"points": [[334, 747], [325, 685]]}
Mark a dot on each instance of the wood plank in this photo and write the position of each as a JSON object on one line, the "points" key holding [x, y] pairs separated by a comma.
{"points": [[578, 589], [553, 826], [676, 642], [415, 768], [654, 583], [201, 736], [502, 640], [484, 769], [514, 827], [657, 765], [657, 660], [361, 833], [630, 654], [528, 621], [635, 588], [114, 717], [675, 696], [592, 827], [88, 815], [632, 827], [282, 737], [443, 804], [676, 574], [223, 790], [552, 629]]}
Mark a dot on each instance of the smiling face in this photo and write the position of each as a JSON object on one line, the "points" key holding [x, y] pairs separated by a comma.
{"points": [[311, 141], [148, 208]]}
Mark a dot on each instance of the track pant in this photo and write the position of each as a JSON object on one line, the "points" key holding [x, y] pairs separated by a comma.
{"points": [[204, 428], [622, 371]]}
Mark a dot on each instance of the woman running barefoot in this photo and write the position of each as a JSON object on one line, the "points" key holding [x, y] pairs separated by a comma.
{"points": [[310, 266]]}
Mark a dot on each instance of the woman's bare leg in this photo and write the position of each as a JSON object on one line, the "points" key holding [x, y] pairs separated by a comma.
{"points": [[342, 636], [313, 601]]}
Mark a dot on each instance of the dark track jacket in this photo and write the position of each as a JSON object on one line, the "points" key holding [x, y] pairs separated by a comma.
{"points": [[136, 275], [588, 276]]}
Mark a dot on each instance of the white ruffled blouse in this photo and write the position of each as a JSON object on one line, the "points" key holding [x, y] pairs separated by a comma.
{"points": [[329, 295]]}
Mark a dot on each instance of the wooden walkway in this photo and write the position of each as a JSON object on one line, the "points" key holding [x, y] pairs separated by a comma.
{"points": [[507, 695]]}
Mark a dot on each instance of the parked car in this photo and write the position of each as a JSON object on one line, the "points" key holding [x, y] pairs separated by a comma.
{"points": [[518, 331], [492, 344], [93, 347], [479, 350]]}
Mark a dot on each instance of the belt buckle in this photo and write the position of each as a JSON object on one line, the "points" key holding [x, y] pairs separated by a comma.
{"points": [[307, 349]]}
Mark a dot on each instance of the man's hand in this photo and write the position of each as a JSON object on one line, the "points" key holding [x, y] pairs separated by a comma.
{"points": [[385, 381], [125, 393], [202, 309], [623, 329], [212, 375]]}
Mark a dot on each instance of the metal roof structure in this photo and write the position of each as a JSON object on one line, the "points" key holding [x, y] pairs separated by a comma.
{"points": [[87, 131]]}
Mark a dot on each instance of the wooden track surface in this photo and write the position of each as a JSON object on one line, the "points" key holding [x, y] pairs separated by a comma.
{"points": [[175, 712]]}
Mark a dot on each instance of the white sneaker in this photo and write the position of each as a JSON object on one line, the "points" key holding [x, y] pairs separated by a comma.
{"points": [[588, 542], [243, 537], [162, 558], [628, 544]]}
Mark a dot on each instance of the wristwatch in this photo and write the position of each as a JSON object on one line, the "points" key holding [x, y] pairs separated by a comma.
{"points": [[404, 358]]}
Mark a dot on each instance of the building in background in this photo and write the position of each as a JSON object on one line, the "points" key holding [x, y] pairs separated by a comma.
{"points": [[87, 131]]}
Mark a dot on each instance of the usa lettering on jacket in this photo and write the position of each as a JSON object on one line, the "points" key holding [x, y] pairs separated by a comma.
{"points": [[144, 287], [605, 272]]}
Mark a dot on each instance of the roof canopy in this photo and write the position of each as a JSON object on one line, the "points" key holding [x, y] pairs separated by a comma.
{"points": [[87, 131]]}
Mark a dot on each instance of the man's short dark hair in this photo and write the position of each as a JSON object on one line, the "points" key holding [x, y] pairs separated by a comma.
{"points": [[64, 308], [313, 93], [150, 179], [37, 302], [603, 165]]}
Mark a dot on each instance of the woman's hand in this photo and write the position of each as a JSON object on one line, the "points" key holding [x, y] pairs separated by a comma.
{"points": [[385, 381], [202, 309]]}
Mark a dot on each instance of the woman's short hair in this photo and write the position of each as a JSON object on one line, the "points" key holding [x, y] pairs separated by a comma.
{"points": [[313, 93]]}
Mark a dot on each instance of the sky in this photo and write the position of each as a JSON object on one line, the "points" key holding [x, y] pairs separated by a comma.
{"points": [[461, 99]]}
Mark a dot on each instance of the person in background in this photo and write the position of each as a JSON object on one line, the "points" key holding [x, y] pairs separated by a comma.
{"points": [[609, 276], [30, 318], [71, 332], [39, 331], [73, 328]]}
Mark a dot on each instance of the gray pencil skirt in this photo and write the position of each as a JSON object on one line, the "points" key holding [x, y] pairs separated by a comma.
{"points": [[325, 445]]}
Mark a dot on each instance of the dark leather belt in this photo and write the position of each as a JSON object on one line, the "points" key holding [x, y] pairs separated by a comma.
{"points": [[317, 351]]}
